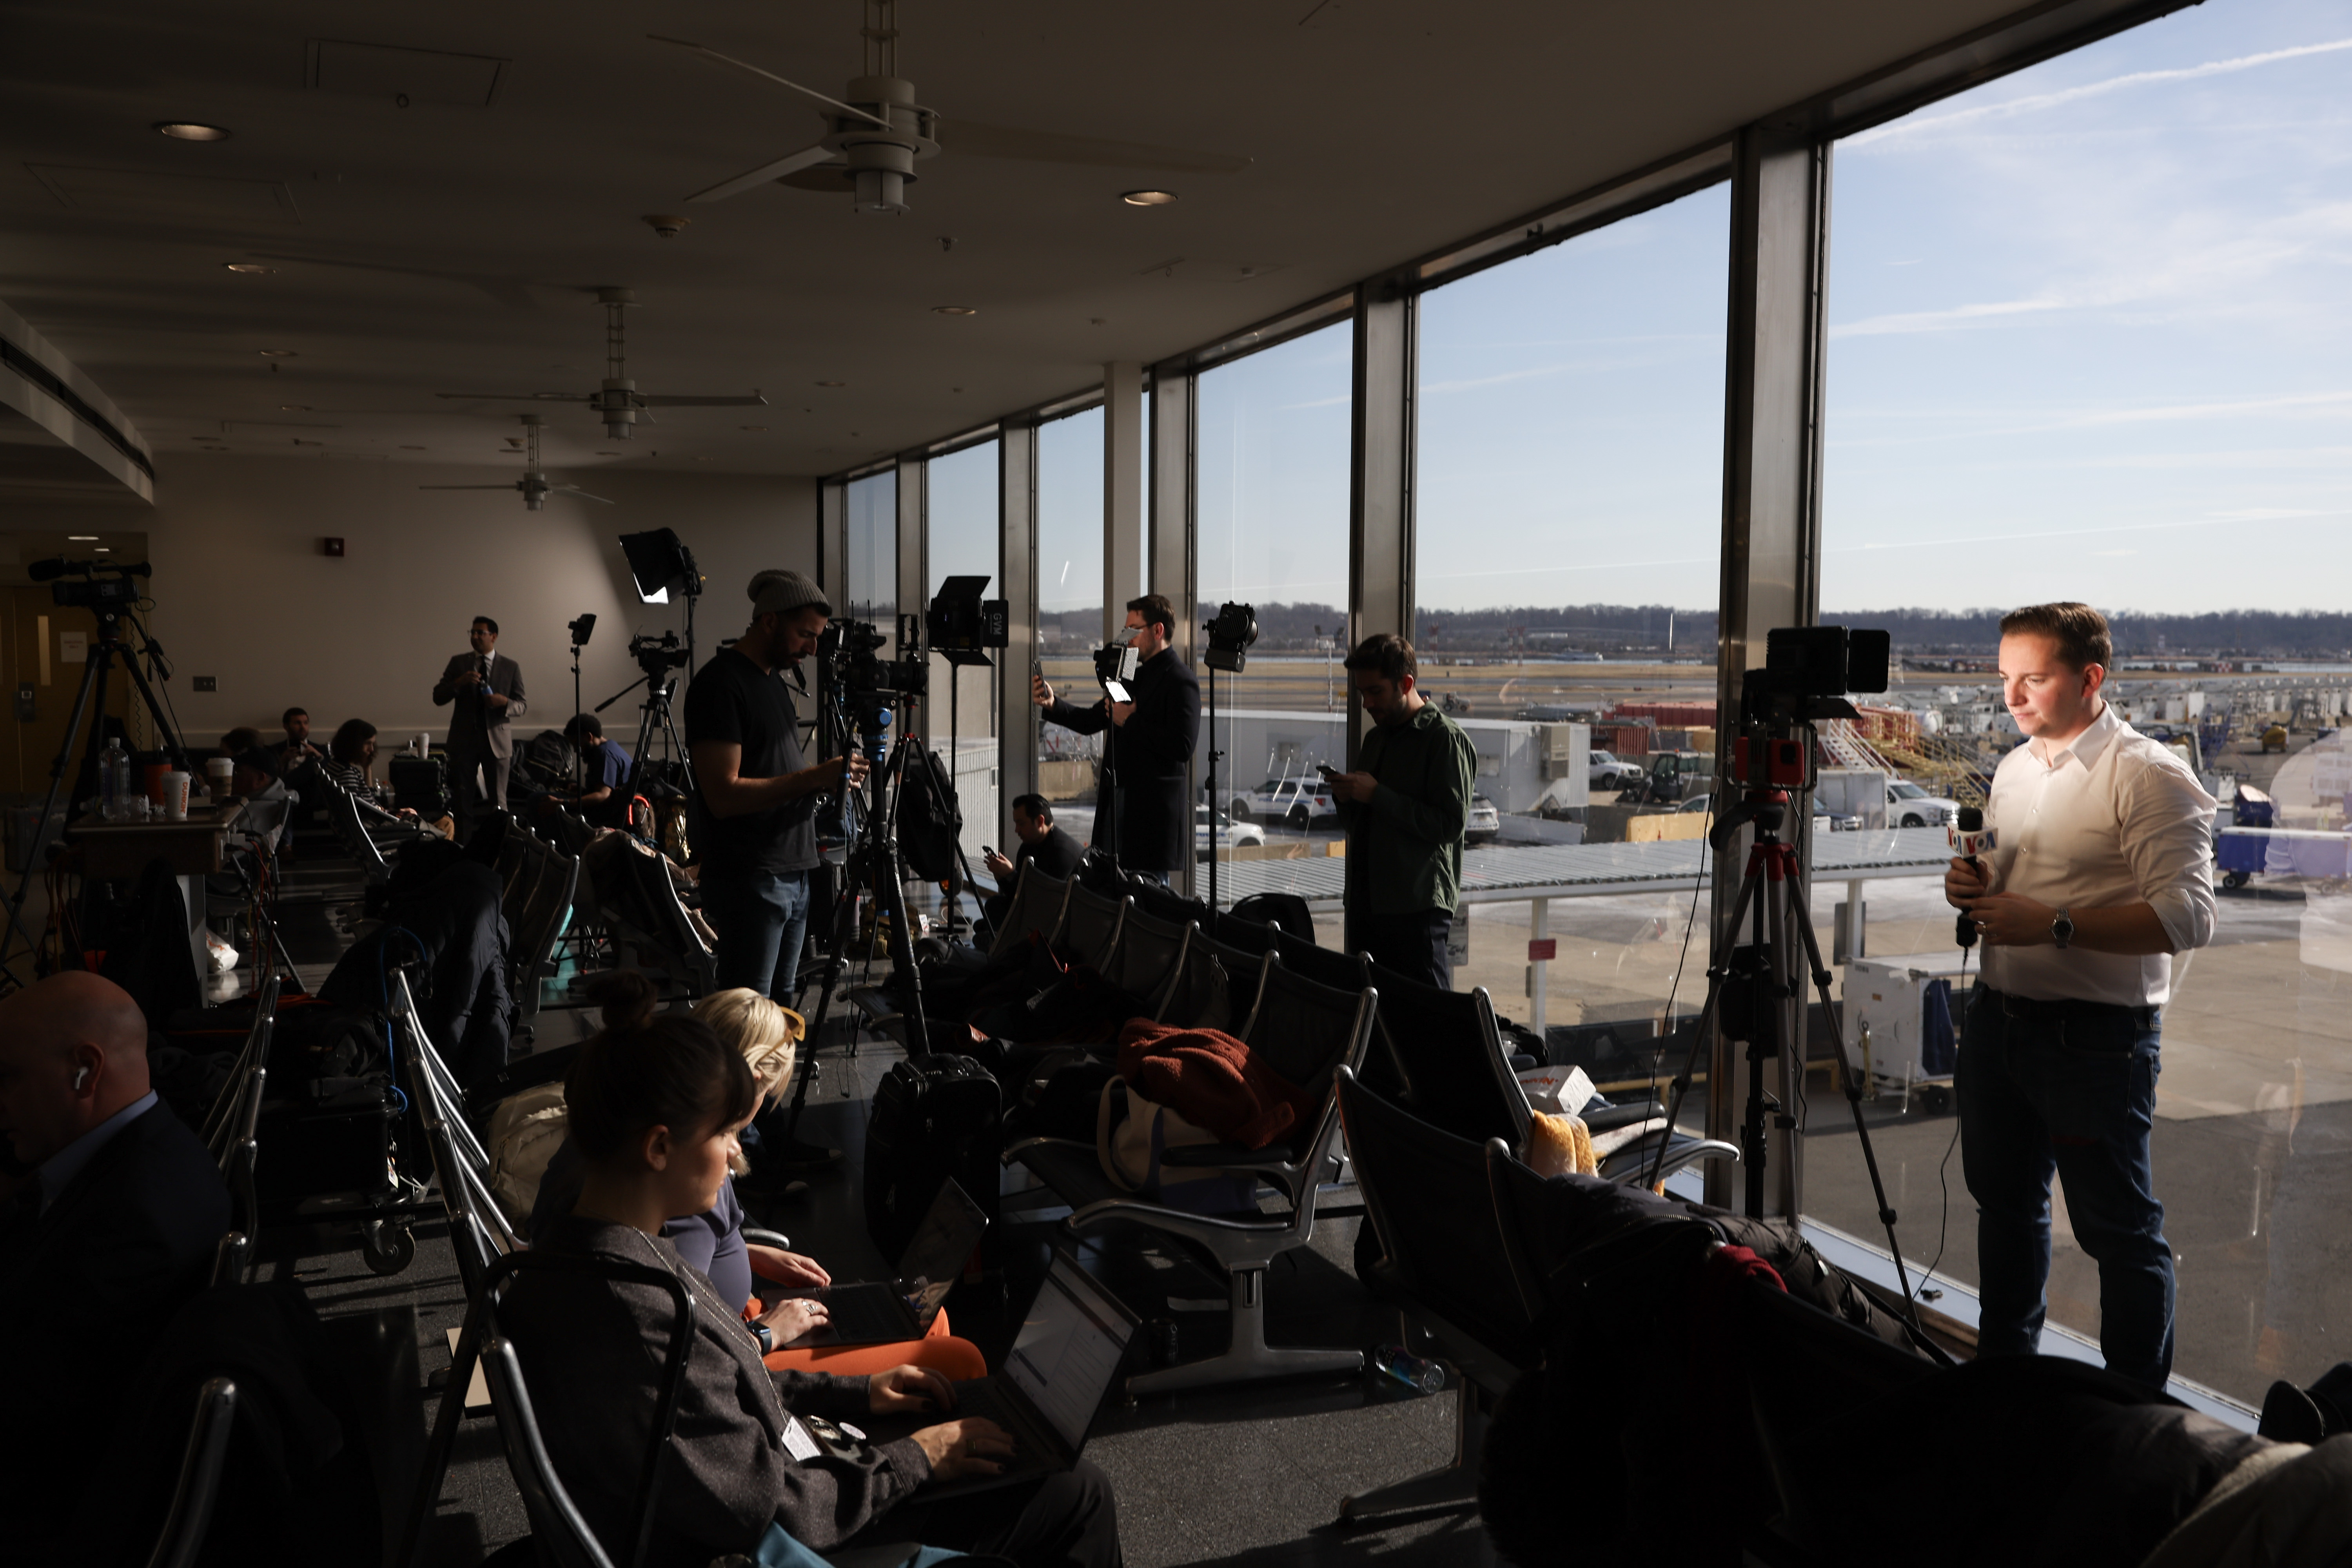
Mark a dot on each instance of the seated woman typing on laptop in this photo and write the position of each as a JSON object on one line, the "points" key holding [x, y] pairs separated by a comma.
{"points": [[712, 1241], [654, 1107]]}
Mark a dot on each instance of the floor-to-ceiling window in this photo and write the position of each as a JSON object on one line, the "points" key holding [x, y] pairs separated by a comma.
{"points": [[870, 572], [1569, 509], [1069, 604], [2090, 338], [1272, 532], [961, 539]]}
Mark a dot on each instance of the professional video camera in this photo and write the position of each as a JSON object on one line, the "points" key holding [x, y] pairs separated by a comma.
{"points": [[961, 623], [1230, 636], [1808, 670], [655, 654], [850, 649], [107, 594]]}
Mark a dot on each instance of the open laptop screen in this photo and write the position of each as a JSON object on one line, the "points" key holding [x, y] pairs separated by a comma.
{"points": [[939, 1248], [1069, 1349]]}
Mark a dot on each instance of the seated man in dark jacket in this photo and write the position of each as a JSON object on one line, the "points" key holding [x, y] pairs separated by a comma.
{"points": [[110, 1233], [1051, 848]]}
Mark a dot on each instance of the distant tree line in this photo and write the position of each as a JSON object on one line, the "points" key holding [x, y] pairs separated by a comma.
{"points": [[1645, 628]]}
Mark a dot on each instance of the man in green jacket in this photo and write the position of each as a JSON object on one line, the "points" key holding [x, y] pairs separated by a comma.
{"points": [[1404, 808]]}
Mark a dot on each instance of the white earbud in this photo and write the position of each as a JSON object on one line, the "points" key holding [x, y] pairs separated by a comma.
{"points": [[80, 1077]]}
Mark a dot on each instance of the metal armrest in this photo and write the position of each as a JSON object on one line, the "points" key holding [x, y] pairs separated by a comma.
{"points": [[1013, 1151], [774, 1238], [1621, 1115], [1207, 1229]]}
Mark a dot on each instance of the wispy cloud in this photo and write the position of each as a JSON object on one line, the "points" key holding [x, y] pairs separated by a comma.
{"points": [[1928, 124]]}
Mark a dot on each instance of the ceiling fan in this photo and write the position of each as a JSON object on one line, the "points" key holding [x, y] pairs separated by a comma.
{"points": [[873, 139], [618, 401], [533, 484]]}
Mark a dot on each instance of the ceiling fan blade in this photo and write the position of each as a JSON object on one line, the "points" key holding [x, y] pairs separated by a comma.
{"points": [[576, 491], [1052, 147], [770, 76], [754, 401], [516, 396], [766, 174], [512, 487]]}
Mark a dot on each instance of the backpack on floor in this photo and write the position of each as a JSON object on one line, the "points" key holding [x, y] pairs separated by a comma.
{"points": [[934, 1117]]}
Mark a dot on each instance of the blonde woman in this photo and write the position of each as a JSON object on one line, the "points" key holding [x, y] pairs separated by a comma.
{"points": [[768, 1036], [712, 1241]]}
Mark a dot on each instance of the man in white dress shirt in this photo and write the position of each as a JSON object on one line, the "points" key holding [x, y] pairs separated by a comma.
{"points": [[2103, 870]]}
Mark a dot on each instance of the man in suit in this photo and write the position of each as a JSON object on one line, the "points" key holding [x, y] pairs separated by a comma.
{"points": [[113, 1231], [488, 690], [1055, 853], [1152, 744]]}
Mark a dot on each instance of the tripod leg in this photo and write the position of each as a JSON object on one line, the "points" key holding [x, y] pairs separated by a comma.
{"points": [[93, 677], [1680, 1087], [172, 747], [1829, 1009]]}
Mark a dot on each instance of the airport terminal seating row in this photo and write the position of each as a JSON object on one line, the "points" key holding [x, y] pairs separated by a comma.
{"points": [[1309, 1012]]}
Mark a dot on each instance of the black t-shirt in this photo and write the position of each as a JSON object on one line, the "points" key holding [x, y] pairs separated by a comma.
{"points": [[732, 699]]}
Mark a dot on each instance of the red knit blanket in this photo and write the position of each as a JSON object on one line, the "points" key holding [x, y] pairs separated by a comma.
{"points": [[1212, 1081]]}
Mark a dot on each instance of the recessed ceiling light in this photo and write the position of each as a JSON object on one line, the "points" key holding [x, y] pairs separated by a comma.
{"points": [[293, 408], [188, 131], [101, 549], [411, 448], [277, 354], [1147, 198], [252, 268], [833, 384], [81, 538], [954, 310]]}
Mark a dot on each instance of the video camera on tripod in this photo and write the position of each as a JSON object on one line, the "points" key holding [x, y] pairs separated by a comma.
{"points": [[850, 651], [655, 655], [109, 595], [1808, 672]]}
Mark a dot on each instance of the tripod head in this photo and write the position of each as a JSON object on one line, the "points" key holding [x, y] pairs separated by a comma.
{"points": [[1767, 808]]}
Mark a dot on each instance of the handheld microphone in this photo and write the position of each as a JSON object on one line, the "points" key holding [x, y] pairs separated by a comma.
{"points": [[1968, 838]]}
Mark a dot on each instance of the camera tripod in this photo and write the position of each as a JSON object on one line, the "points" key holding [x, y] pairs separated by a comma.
{"points": [[105, 647], [874, 859], [655, 727], [1747, 996]]}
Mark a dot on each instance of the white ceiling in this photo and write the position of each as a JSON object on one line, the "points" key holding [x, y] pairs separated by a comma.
{"points": [[446, 246]]}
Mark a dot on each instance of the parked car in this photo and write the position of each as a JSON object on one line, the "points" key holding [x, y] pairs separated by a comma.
{"points": [[1673, 777], [1294, 803], [1908, 805], [1485, 822], [1823, 821], [1608, 773], [1230, 834]]}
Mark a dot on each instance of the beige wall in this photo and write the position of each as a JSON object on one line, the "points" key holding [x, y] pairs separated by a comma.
{"points": [[244, 595]]}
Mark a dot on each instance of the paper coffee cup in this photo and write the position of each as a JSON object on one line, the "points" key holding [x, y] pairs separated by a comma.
{"points": [[175, 796], [220, 770]]}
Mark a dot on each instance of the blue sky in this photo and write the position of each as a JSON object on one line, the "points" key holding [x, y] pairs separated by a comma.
{"points": [[2091, 336]]}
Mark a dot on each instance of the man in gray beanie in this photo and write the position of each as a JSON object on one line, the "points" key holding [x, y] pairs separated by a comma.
{"points": [[752, 817]]}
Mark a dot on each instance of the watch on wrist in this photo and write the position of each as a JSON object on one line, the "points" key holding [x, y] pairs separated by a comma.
{"points": [[766, 1336], [2061, 929]]}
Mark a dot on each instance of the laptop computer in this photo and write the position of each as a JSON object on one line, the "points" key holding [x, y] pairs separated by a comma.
{"points": [[1069, 1348], [874, 1314]]}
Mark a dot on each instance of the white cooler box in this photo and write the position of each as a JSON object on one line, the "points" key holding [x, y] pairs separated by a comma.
{"points": [[1885, 1001]]}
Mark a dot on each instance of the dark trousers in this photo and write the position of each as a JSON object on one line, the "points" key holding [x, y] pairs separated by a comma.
{"points": [[1067, 1521], [1411, 944], [2068, 1087], [470, 802]]}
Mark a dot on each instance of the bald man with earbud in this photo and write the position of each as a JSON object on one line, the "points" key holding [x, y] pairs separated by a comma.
{"points": [[109, 1234]]}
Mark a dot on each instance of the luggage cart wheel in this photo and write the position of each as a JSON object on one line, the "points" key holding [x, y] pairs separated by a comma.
{"points": [[2233, 878], [388, 1249], [1936, 1099]]}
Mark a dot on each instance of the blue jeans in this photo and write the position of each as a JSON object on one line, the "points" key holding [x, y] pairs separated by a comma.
{"points": [[2068, 1087], [761, 919]]}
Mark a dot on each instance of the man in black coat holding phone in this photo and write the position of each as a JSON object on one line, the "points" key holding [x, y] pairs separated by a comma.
{"points": [[1150, 746]]}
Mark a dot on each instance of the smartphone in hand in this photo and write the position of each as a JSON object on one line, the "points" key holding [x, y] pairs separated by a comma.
{"points": [[1327, 770]]}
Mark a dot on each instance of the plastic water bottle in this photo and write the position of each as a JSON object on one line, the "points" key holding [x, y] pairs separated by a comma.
{"points": [[114, 781], [1410, 1369]]}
